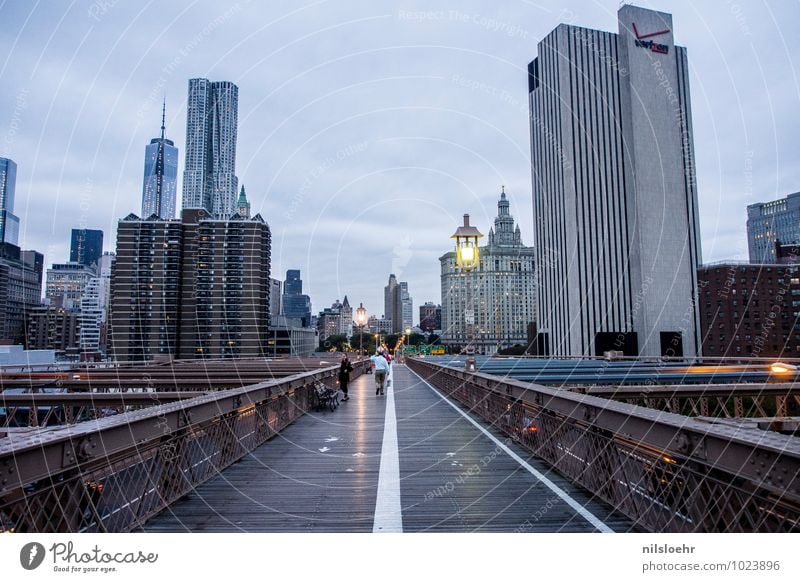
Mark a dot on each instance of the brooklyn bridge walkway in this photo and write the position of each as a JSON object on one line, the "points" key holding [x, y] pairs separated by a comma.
{"points": [[408, 461]]}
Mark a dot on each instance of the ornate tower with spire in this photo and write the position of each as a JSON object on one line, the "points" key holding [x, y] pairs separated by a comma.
{"points": [[504, 232], [160, 175], [242, 205], [503, 289]]}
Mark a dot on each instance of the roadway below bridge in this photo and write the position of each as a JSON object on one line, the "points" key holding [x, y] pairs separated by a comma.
{"points": [[408, 461]]}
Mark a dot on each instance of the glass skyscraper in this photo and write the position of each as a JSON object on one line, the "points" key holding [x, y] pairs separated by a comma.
{"points": [[772, 222], [86, 247], [295, 304], [9, 223], [209, 175], [160, 176]]}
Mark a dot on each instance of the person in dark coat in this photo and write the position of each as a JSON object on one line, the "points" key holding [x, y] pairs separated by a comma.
{"points": [[344, 376]]}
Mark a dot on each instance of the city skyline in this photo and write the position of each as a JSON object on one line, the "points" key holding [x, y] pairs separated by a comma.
{"points": [[326, 170]]}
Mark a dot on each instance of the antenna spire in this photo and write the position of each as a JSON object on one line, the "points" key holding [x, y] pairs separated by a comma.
{"points": [[163, 116]]}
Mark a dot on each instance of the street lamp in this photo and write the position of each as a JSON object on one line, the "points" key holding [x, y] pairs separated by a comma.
{"points": [[467, 259], [361, 321]]}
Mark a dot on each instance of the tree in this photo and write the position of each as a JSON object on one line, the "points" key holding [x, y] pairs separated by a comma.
{"points": [[368, 339], [415, 339], [336, 342]]}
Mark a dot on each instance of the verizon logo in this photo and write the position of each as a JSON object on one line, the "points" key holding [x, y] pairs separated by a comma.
{"points": [[649, 44]]}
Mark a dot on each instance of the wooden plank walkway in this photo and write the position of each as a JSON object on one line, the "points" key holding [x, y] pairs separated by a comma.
{"points": [[321, 474]]}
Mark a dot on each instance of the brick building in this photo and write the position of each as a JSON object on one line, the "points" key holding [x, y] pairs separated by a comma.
{"points": [[750, 310]]}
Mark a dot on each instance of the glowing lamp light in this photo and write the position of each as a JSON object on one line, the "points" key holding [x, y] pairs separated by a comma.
{"points": [[361, 315], [781, 368], [467, 245]]}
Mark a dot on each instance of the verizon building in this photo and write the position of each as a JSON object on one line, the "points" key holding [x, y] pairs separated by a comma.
{"points": [[615, 203]]}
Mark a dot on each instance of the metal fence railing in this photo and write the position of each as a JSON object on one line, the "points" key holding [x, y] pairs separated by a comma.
{"points": [[667, 472], [112, 474]]}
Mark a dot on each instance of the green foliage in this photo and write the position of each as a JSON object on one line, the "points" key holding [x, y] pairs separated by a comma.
{"points": [[336, 343]]}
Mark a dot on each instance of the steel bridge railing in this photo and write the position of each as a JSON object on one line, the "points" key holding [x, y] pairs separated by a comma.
{"points": [[112, 474], [667, 472]]}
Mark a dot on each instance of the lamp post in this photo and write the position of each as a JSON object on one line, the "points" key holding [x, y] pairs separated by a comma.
{"points": [[361, 321], [467, 259]]}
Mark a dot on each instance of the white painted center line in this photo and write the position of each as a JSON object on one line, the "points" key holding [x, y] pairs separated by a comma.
{"points": [[388, 511], [563, 495]]}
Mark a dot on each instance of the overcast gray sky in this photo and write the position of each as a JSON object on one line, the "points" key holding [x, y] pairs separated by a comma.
{"points": [[366, 129]]}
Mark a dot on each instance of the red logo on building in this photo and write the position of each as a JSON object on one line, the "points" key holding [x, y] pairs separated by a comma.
{"points": [[649, 44]]}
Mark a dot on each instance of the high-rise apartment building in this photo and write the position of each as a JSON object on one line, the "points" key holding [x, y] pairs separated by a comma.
{"points": [[209, 175], [86, 246], [9, 222], [772, 222], [502, 290], [51, 327], [144, 312], [191, 288], [750, 310], [614, 194], [159, 188]]}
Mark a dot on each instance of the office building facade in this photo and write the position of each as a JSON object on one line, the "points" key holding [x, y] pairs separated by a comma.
{"points": [[771, 223], [9, 222], [430, 316], [66, 283], [295, 304], [209, 175], [614, 195], [159, 187], [502, 290], [21, 278], [275, 298], [86, 246], [398, 304]]}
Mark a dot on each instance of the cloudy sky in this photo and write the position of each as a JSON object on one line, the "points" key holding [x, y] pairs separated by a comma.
{"points": [[366, 129]]}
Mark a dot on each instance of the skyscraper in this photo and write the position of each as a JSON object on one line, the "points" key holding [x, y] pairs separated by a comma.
{"points": [[209, 175], [614, 195], [160, 175], [406, 307], [86, 246], [293, 284], [770, 222], [9, 222], [390, 301], [296, 305]]}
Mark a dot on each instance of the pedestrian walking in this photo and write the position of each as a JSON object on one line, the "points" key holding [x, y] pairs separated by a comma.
{"points": [[344, 375], [381, 371]]}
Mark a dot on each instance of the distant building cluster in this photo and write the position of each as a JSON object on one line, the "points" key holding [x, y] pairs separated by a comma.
{"points": [[615, 267]]}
